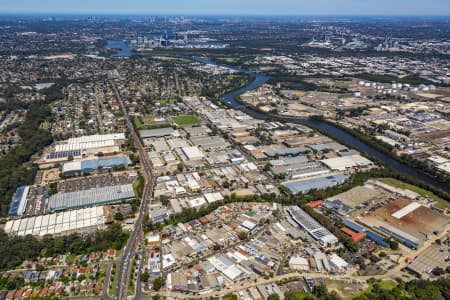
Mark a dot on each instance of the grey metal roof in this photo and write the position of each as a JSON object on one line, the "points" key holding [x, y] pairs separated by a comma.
{"points": [[95, 196], [303, 186], [158, 132]]}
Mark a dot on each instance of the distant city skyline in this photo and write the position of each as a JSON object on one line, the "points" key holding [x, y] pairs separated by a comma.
{"points": [[230, 7]]}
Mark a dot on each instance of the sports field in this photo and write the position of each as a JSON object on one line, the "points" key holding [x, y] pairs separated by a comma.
{"points": [[186, 120]]}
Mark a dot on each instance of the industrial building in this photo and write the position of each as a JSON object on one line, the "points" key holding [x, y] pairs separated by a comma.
{"points": [[380, 240], [89, 165], [304, 186], [193, 153], [285, 152], [63, 155], [18, 203], [429, 259], [79, 147], [61, 223], [317, 231], [227, 267], [345, 162], [91, 197], [355, 198], [158, 133], [337, 263], [298, 263], [90, 142], [409, 222], [300, 170]]}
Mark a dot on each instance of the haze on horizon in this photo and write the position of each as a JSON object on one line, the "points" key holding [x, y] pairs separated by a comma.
{"points": [[230, 7]]}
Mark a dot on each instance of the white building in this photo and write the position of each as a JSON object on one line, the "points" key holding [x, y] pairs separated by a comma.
{"points": [[345, 162], [298, 263], [193, 153], [337, 263]]}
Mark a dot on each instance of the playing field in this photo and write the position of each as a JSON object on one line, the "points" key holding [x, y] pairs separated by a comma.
{"points": [[186, 120]]}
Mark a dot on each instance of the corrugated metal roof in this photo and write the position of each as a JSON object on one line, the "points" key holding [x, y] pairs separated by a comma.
{"points": [[303, 186], [95, 196]]}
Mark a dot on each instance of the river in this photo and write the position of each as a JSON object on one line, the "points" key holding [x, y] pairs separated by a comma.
{"points": [[125, 50], [322, 126]]}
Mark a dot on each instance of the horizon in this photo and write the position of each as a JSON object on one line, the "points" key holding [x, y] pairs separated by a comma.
{"points": [[399, 8], [211, 15]]}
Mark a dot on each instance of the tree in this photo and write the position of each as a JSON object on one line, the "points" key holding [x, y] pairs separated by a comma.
{"points": [[53, 188], [81, 277], [145, 277], [39, 268], [158, 283], [230, 297], [243, 235], [393, 244], [438, 271], [273, 297], [164, 200], [118, 216]]}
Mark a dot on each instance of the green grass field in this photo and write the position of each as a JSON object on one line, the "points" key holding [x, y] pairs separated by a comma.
{"points": [[148, 124], [230, 59], [138, 123], [441, 203], [388, 284], [165, 101], [186, 120]]}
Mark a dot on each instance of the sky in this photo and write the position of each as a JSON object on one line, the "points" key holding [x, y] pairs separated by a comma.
{"points": [[230, 7]]}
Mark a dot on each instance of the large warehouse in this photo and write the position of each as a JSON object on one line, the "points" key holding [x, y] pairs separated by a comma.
{"points": [[90, 141], [88, 165], [158, 133], [304, 186], [76, 148], [60, 223], [307, 223], [19, 200], [345, 162], [91, 197], [193, 153], [407, 221]]}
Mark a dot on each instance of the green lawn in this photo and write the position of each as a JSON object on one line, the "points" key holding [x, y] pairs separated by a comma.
{"points": [[186, 120], [148, 123], [115, 278], [441, 203], [138, 123], [230, 59], [165, 101], [388, 284]]}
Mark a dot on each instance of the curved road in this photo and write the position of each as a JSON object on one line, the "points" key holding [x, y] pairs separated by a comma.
{"points": [[136, 236]]}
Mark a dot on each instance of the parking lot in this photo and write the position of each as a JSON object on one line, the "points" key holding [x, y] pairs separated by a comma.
{"points": [[435, 256], [37, 200], [95, 181]]}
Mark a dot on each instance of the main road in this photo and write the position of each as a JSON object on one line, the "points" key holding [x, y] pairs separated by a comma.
{"points": [[136, 235]]}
